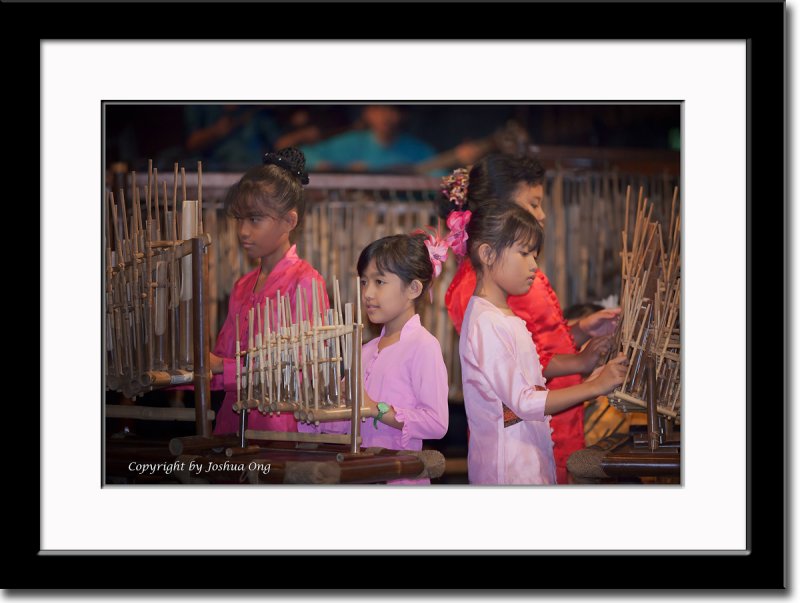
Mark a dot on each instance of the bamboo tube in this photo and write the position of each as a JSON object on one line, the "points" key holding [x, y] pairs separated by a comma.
{"points": [[286, 358], [189, 231], [183, 184], [148, 413], [175, 201], [672, 209], [200, 195], [258, 389], [200, 351], [337, 345], [634, 400], [238, 404], [250, 346], [134, 197], [304, 347], [148, 192], [279, 358], [174, 302], [188, 444], [155, 200], [280, 407], [334, 414], [124, 211], [116, 332], [315, 358], [112, 357], [165, 378], [262, 343], [328, 359], [282, 436], [270, 366], [123, 291], [165, 230], [231, 452], [358, 390], [291, 334], [140, 316], [637, 349]]}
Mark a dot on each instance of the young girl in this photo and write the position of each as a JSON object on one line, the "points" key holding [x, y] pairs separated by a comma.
{"points": [[405, 379], [268, 204], [506, 180], [508, 406]]}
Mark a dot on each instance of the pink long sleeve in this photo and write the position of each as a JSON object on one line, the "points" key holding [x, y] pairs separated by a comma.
{"points": [[494, 349], [429, 418], [504, 396]]}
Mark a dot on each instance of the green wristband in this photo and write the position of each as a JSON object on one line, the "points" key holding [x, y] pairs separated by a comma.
{"points": [[383, 408]]}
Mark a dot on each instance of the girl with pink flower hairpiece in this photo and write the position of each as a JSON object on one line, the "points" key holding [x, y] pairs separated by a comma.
{"points": [[405, 378], [502, 181]]}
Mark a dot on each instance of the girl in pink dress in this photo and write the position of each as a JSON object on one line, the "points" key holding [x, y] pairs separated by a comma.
{"points": [[507, 403], [405, 379], [268, 204]]}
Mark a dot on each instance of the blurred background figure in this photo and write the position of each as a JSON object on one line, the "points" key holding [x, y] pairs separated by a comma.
{"points": [[376, 144], [229, 137]]}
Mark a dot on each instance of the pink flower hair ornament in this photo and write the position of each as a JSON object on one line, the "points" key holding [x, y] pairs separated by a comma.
{"points": [[437, 250], [457, 222]]}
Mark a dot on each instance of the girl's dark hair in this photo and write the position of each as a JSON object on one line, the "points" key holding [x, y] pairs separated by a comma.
{"points": [[501, 226], [494, 179], [274, 188], [403, 255]]}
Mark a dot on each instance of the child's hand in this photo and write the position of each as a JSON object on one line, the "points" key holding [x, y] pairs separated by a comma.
{"points": [[612, 375], [216, 364], [370, 403], [602, 322], [595, 349]]}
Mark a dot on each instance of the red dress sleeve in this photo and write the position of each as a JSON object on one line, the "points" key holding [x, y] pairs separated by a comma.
{"points": [[458, 293]]}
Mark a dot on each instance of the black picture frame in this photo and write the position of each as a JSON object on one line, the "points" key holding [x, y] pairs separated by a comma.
{"points": [[762, 24]]}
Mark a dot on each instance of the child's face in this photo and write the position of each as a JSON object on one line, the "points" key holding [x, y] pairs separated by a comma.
{"points": [[529, 197], [515, 269], [261, 236], [384, 295]]}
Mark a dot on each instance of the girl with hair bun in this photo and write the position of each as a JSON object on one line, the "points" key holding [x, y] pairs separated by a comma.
{"points": [[268, 205]]}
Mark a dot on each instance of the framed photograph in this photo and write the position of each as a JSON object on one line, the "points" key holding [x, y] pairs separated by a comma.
{"points": [[728, 514]]}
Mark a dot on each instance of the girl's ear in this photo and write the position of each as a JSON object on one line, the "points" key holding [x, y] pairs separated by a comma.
{"points": [[486, 254], [414, 289], [290, 219]]}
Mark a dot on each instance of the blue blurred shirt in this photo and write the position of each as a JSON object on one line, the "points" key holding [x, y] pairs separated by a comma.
{"points": [[360, 146]]}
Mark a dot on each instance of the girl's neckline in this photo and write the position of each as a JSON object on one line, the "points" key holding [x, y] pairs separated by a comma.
{"points": [[504, 311], [414, 319], [258, 287], [500, 310], [388, 345]]}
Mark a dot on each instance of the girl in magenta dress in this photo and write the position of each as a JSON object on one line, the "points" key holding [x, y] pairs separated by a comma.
{"points": [[405, 378], [268, 204], [506, 398]]}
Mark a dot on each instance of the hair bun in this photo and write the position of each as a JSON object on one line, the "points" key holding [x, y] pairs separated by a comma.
{"points": [[292, 160]]}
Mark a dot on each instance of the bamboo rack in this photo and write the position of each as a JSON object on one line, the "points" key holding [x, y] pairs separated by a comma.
{"points": [[305, 365], [651, 302], [155, 290]]}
